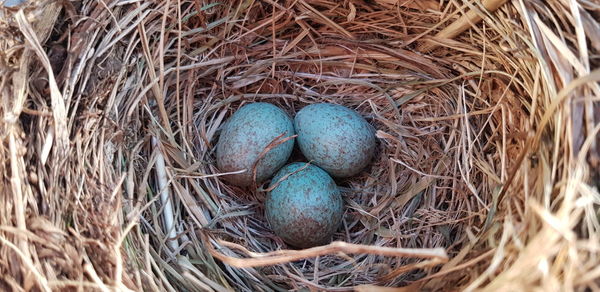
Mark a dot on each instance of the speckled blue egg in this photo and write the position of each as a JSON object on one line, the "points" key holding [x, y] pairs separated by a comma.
{"points": [[246, 134], [335, 138], [305, 208]]}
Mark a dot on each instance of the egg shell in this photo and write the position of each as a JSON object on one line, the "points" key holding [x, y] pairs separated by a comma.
{"points": [[305, 209], [335, 138], [13, 3], [246, 134]]}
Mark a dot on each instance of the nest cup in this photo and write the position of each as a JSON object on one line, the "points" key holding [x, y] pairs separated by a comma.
{"points": [[486, 114]]}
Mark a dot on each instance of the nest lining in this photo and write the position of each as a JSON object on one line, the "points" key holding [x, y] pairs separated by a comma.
{"points": [[422, 190]]}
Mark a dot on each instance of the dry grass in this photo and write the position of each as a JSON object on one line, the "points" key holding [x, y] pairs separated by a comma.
{"points": [[488, 148]]}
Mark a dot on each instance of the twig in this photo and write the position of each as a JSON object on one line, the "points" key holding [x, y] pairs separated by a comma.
{"points": [[165, 195], [285, 256]]}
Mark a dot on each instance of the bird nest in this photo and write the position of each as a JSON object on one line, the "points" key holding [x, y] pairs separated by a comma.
{"points": [[486, 113]]}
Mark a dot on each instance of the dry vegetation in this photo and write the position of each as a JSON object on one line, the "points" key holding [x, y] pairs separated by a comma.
{"points": [[488, 143]]}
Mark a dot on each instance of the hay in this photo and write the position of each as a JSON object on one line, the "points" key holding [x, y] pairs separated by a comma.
{"points": [[484, 177]]}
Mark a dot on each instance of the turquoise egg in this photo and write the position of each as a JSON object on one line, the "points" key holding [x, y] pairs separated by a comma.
{"points": [[335, 138], [246, 134], [305, 208]]}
